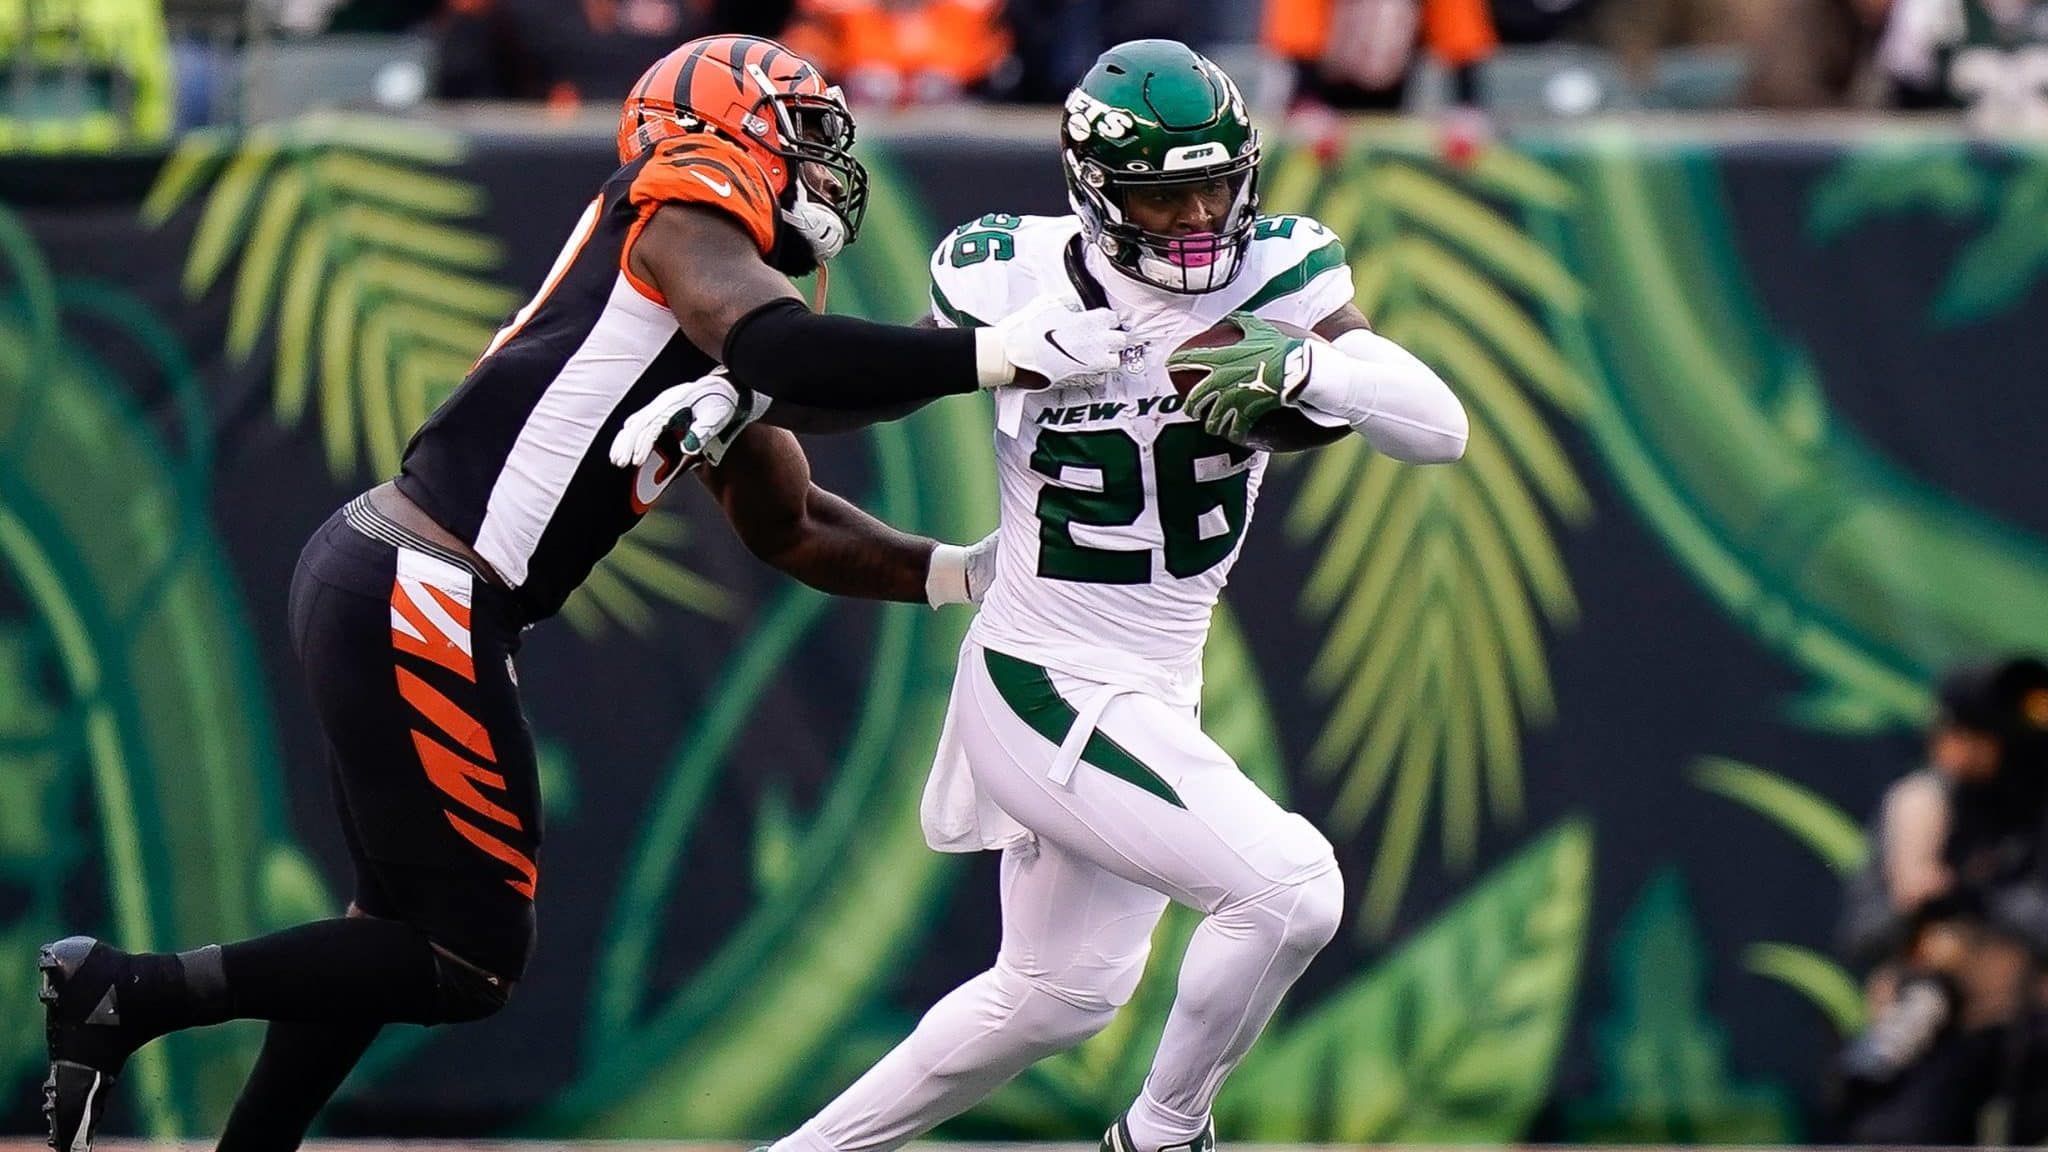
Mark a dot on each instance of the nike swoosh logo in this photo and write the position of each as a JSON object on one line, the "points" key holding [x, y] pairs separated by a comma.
{"points": [[1056, 344], [718, 186]]}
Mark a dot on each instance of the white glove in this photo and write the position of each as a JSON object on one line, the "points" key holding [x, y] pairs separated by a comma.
{"points": [[706, 415], [961, 575], [1054, 337]]}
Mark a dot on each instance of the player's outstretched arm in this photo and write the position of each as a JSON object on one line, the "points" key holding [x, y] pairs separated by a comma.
{"points": [[733, 305], [764, 485], [1401, 406], [830, 421], [1339, 376]]}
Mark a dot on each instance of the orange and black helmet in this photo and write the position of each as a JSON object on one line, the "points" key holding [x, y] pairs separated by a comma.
{"points": [[770, 101]]}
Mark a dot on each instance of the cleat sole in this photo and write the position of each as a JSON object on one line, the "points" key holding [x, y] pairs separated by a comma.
{"points": [[86, 1089]]}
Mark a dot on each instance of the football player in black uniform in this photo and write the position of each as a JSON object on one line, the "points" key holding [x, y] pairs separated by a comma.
{"points": [[408, 604]]}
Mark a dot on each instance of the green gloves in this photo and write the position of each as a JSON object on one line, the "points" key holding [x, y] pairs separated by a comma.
{"points": [[1245, 380]]}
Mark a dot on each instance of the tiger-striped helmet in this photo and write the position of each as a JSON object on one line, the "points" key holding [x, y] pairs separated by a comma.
{"points": [[763, 97]]}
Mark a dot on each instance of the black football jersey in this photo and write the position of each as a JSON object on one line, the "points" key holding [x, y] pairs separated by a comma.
{"points": [[515, 462]]}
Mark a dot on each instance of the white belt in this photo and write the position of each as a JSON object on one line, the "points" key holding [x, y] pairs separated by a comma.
{"points": [[1086, 716]]}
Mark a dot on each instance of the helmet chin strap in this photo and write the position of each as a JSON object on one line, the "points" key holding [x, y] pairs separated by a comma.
{"points": [[821, 227]]}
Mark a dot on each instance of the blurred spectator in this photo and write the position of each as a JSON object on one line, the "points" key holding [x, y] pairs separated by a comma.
{"points": [[1361, 53], [1811, 53], [1989, 55], [1537, 21], [1801, 53], [1055, 42], [1637, 30], [1951, 918], [382, 15], [898, 52], [572, 51]]}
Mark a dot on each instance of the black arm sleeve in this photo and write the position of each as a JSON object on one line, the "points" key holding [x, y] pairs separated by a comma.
{"points": [[791, 353]]}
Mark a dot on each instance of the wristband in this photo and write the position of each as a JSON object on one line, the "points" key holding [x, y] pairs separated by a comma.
{"points": [[992, 367], [945, 581]]}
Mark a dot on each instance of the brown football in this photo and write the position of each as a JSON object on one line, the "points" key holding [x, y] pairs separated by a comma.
{"points": [[1282, 431]]}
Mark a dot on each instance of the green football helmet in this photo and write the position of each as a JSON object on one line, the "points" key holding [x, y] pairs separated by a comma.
{"points": [[1153, 118]]}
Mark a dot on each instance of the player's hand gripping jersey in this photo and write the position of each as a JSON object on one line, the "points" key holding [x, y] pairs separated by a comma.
{"points": [[1121, 518]]}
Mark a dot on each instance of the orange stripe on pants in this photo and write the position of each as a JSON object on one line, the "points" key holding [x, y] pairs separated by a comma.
{"points": [[435, 647], [449, 716], [498, 849], [453, 775]]}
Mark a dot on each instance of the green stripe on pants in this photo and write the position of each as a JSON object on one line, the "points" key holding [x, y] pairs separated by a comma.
{"points": [[1028, 690]]}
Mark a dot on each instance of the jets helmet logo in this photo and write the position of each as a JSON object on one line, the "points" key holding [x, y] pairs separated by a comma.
{"points": [[1087, 116]]}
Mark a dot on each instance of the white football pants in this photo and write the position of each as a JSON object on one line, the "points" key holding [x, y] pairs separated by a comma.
{"points": [[1154, 811]]}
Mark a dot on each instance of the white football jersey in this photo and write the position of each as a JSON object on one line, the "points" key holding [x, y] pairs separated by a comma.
{"points": [[1121, 518]]}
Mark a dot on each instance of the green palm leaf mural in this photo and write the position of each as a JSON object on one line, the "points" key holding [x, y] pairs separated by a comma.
{"points": [[1808, 816], [365, 261], [640, 568], [1995, 271], [1836, 840], [130, 696], [1663, 1056], [363, 257], [1453, 1037], [1718, 430], [36, 745], [1435, 584], [1899, 178]]}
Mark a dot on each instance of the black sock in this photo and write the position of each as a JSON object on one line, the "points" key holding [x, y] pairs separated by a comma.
{"points": [[300, 1067], [351, 971], [157, 993]]}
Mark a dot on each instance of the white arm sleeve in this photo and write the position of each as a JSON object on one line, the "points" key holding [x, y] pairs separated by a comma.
{"points": [[1394, 400]]}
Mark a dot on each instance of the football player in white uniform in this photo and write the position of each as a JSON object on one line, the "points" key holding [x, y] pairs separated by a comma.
{"points": [[1073, 744]]}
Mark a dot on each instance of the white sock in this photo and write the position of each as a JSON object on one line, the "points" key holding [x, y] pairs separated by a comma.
{"points": [[971, 1043], [1154, 1126]]}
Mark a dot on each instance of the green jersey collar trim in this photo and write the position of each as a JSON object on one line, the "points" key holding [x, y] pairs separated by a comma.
{"points": [[1028, 690], [958, 318], [1330, 255]]}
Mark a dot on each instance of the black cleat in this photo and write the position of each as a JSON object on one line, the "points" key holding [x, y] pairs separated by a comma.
{"points": [[87, 1042]]}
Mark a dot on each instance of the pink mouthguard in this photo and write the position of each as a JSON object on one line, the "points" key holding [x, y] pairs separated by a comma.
{"points": [[1195, 250]]}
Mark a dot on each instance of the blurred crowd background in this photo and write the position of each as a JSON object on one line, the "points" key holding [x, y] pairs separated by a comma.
{"points": [[84, 72]]}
